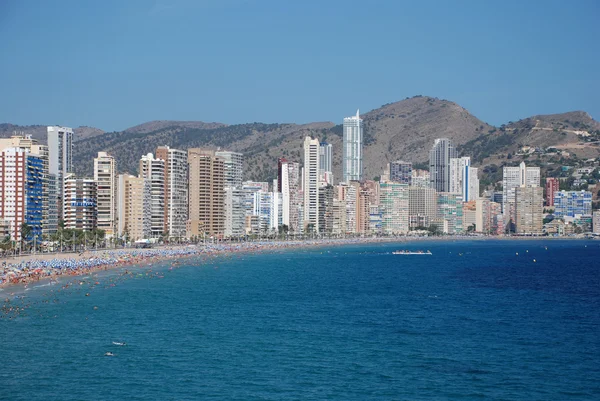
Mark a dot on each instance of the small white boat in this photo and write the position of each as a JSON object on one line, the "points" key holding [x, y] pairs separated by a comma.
{"points": [[412, 252], [109, 354], [119, 344]]}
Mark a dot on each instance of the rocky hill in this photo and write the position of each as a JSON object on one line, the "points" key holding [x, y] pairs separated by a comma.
{"points": [[405, 129], [402, 130]]}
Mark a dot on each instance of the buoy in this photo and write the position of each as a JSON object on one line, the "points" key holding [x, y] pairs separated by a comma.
{"points": [[517, 253], [534, 260]]}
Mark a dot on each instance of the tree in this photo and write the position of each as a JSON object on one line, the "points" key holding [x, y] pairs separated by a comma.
{"points": [[26, 231]]}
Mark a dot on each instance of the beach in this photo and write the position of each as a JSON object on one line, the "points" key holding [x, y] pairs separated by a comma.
{"points": [[32, 268]]}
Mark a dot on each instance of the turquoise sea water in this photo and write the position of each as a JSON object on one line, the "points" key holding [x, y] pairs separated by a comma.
{"points": [[473, 321]]}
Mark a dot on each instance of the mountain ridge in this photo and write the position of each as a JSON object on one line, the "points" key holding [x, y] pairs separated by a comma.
{"points": [[400, 130]]}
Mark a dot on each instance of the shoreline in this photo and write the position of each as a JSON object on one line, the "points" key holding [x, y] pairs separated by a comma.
{"points": [[41, 267]]}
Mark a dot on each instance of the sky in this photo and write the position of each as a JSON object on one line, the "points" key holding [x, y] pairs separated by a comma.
{"points": [[113, 64]]}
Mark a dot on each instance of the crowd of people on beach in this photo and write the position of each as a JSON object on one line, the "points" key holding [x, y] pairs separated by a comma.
{"points": [[26, 271]]}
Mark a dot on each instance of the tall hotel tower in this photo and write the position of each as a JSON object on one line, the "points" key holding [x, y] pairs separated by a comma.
{"points": [[439, 164], [176, 190], [206, 193], [105, 175], [60, 162], [352, 153], [311, 183]]}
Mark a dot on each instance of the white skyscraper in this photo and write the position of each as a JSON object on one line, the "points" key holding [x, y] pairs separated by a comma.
{"points": [[176, 190], [463, 178], [105, 175], [514, 177], [60, 160], [153, 171], [311, 183], [352, 163]]}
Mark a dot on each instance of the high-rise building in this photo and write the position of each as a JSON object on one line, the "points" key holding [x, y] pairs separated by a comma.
{"points": [[450, 212], [176, 191], [326, 163], [60, 159], [105, 175], [326, 208], [80, 203], [234, 168], [134, 208], [153, 171], [352, 157], [21, 192], [514, 177], [421, 178], [235, 213], [552, 186], [463, 178], [347, 193], [393, 204], [422, 206], [267, 206], [311, 183], [287, 185], [572, 203], [488, 216], [49, 206], [401, 171], [439, 163], [529, 203], [206, 193]]}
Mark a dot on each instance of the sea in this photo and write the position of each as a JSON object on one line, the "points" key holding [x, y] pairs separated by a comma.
{"points": [[476, 320]]}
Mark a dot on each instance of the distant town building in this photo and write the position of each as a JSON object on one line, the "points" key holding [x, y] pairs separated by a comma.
{"points": [[572, 203], [105, 175], [401, 171], [206, 193], [439, 163], [79, 203], [311, 183], [352, 157], [552, 186]]}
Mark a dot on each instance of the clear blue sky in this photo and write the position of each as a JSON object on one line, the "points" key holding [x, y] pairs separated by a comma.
{"points": [[116, 63]]}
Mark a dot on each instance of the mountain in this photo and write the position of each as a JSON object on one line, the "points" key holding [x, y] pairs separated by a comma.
{"points": [[401, 130], [39, 132], [404, 129]]}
